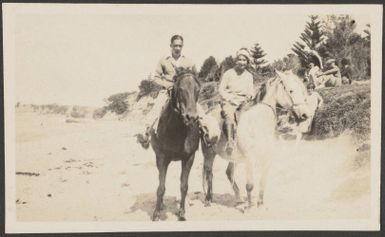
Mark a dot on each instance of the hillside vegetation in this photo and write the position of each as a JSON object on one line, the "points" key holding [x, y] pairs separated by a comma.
{"points": [[346, 109]]}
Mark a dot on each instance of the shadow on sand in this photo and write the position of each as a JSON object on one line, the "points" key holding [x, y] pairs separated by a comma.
{"points": [[146, 202], [226, 200]]}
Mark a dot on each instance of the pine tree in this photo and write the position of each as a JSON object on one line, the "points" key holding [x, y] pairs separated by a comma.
{"points": [[208, 69], [344, 43], [258, 54], [313, 38], [226, 64]]}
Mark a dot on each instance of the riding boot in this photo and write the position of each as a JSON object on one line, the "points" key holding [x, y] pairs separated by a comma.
{"points": [[144, 139], [230, 138]]}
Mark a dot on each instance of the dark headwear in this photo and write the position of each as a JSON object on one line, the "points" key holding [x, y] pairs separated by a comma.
{"points": [[310, 86]]}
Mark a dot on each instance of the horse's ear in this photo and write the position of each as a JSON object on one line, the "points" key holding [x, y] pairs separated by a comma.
{"points": [[280, 74]]}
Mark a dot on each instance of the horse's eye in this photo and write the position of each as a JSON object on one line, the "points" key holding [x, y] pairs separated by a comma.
{"points": [[291, 91]]}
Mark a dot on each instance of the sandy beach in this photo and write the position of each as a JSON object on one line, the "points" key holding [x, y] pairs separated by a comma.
{"points": [[93, 170]]}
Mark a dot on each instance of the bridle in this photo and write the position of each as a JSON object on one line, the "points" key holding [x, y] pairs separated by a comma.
{"points": [[293, 104], [175, 105]]}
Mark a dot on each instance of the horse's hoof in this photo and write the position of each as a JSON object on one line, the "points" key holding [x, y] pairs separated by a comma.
{"points": [[207, 203], [229, 151], [156, 216], [259, 203], [181, 215], [238, 201], [247, 208]]}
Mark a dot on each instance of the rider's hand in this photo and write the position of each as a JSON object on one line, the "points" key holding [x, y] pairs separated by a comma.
{"points": [[169, 90]]}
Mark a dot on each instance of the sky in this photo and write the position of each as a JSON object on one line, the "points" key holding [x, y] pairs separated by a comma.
{"points": [[82, 55]]}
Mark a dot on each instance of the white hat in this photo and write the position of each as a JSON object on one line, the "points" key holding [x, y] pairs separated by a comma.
{"points": [[245, 52]]}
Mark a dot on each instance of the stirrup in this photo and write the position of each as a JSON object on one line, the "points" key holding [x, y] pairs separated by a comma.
{"points": [[144, 139], [229, 148]]}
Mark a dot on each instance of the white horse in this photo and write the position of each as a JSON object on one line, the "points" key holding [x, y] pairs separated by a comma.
{"points": [[255, 137]]}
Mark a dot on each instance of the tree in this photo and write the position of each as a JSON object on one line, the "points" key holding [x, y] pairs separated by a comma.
{"points": [[208, 69], [344, 43], [226, 64], [368, 34], [258, 54], [312, 38], [118, 103], [290, 62], [99, 113], [148, 87]]}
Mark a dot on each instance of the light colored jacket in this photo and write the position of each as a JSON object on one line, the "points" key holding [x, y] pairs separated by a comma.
{"points": [[235, 88], [165, 70]]}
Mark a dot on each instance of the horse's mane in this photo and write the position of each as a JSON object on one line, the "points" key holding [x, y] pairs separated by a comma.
{"points": [[261, 92], [181, 71]]}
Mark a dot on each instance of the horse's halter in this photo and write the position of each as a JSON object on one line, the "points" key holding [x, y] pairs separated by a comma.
{"points": [[174, 99], [293, 103]]}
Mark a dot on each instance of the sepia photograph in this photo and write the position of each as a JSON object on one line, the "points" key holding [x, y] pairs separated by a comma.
{"points": [[167, 117]]}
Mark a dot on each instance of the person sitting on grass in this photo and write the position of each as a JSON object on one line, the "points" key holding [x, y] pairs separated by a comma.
{"points": [[346, 71], [330, 77]]}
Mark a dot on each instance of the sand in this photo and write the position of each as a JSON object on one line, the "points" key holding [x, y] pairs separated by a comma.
{"points": [[93, 170]]}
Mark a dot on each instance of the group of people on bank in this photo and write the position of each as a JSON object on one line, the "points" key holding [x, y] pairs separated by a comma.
{"points": [[330, 75]]}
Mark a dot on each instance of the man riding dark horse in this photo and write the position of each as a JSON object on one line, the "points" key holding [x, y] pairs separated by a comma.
{"points": [[173, 126], [164, 76]]}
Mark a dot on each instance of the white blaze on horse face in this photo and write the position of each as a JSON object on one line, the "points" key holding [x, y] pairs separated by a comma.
{"points": [[296, 94]]}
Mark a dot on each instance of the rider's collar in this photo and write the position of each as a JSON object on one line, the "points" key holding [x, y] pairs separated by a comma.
{"points": [[171, 57]]}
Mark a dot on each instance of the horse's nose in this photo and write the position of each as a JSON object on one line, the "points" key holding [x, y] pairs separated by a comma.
{"points": [[304, 116], [189, 118]]}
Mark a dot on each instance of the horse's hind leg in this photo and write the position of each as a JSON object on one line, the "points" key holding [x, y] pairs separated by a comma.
{"points": [[249, 181], [186, 167], [162, 165], [207, 179], [262, 183], [230, 175]]}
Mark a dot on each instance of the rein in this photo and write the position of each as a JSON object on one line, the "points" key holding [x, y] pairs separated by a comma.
{"points": [[172, 92], [282, 109], [291, 98], [271, 107]]}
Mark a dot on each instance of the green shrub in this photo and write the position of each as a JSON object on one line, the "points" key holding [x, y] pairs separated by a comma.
{"points": [[99, 113], [345, 108], [78, 112], [117, 103], [148, 88]]}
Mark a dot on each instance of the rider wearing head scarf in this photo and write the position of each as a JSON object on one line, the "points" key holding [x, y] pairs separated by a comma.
{"points": [[236, 88]]}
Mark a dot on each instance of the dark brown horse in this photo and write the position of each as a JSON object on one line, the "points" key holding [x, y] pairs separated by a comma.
{"points": [[177, 136]]}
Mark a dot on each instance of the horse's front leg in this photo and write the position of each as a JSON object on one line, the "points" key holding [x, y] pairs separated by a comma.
{"points": [[230, 175], [207, 179], [162, 165], [186, 167]]}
